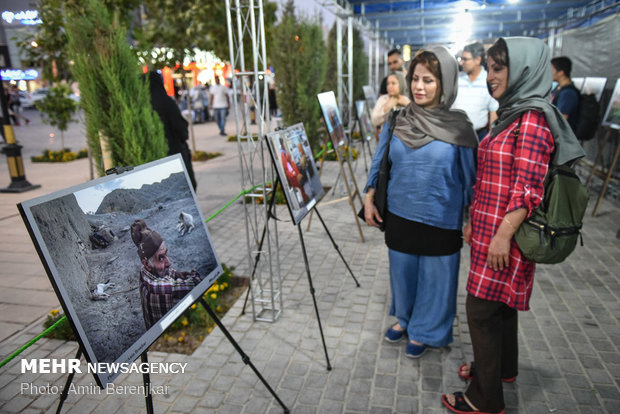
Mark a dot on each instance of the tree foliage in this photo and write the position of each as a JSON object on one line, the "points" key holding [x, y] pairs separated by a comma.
{"points": [[360, 63], [45, 46], [57, 107], [299, 58], [116, 101]]}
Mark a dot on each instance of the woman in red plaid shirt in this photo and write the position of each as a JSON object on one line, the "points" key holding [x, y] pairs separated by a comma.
{"points": [[512, 163]]}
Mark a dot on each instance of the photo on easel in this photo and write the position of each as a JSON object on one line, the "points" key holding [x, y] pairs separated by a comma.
{"points": [[594, 86], [578, 82], [126, 254], [292, 156], [612, 114], [370, 96], [366, 128], [331, 115]]}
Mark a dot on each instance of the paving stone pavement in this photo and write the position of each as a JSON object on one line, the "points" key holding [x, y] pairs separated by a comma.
{"points": [[569, 359]]}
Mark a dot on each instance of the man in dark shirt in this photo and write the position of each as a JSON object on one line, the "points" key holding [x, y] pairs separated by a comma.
{"points": [[565, 96]]}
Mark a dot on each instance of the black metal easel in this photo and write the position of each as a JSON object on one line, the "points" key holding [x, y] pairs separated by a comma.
{"points": [[303, 248], [262, 239], [244, 357]]}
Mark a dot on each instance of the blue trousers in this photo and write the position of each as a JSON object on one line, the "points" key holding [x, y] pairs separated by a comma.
{"points": [[220, 118], [424, 295]]}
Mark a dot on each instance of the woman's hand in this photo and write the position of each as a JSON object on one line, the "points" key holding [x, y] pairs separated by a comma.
{"points": [[467, 233], [499, 248], [371, 214], [403, 100], [499, 252], [389, 104]]}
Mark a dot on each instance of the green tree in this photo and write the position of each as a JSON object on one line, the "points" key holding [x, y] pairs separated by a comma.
{"points": [[299, 58], [360, 63], [58, 108], [116, 101], [44, 46]]}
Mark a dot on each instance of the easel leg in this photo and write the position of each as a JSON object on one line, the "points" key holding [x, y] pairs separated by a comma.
{"points": [[336, 246], [599, 157], [320, 173], [316, 308], [146, 378], [65, 390], [607, 179], [260, 244], [244, 357]]}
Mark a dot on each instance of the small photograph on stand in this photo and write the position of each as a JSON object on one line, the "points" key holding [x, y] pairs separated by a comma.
{"points": [[594, 86], [366, 128], [292, 156], [578, 82], [331, 115], [370, 96], [612, 115], [126, 254]]}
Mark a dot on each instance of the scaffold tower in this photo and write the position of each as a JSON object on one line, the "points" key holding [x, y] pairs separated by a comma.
{"points": [[246, 30]]}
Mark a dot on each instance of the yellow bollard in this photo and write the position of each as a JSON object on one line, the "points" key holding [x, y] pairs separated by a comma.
{"points": [[13, 152]]}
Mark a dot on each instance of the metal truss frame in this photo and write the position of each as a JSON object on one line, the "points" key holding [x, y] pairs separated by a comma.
{"points": [[245, 22]]}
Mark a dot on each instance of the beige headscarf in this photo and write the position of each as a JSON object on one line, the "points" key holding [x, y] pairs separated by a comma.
{"points": [[417, 126]]}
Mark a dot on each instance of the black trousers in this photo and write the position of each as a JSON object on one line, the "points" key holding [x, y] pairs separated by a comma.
{"points": [[493, 331]]}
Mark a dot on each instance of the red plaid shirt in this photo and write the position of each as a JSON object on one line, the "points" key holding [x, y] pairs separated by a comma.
{"points": [[160, 294], [510, 176]]}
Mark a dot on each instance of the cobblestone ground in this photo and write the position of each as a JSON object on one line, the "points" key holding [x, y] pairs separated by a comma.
{"points": [[569, 359]]}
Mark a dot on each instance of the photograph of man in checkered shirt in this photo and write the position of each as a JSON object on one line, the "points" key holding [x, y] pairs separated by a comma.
{"points": [[161, 287]]}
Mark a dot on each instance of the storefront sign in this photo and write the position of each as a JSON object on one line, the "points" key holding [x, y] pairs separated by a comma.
{"points": [[18, 74], [25, 17]]}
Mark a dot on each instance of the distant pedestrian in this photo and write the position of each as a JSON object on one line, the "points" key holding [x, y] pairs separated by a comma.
{"points": [[175, 126], [220, 103], [15, 106]]}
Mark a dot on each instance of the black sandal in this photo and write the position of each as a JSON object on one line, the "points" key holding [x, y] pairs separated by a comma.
{"points": [[460, 405]]}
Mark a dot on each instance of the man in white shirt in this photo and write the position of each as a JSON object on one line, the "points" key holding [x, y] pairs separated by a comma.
{"points": [[473, 95], [219, 102]]}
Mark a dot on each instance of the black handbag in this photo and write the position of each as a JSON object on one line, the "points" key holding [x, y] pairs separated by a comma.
{"points": [[380, 199]]}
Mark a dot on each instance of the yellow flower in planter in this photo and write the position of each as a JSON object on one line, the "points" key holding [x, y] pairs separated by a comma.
{"points": [[184, 322], [213, 295], [210, 329], [218, 308], [193, 306], [180, 339], [54, 312], [215, 288]]}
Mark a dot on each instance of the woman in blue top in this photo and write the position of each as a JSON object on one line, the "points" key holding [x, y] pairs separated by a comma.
{"points": [[431, 176]]}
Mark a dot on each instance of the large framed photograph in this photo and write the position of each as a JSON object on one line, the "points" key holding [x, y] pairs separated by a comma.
{"points": [[594, 86], [363, 116], [292, 157], [126, 254], [331, 115], [612, 114]]}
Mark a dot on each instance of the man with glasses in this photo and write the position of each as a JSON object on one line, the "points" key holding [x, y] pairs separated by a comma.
{"points": [[473, 96]]}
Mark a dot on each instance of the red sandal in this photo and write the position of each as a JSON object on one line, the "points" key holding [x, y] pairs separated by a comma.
{"points": [[461, 406]]}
